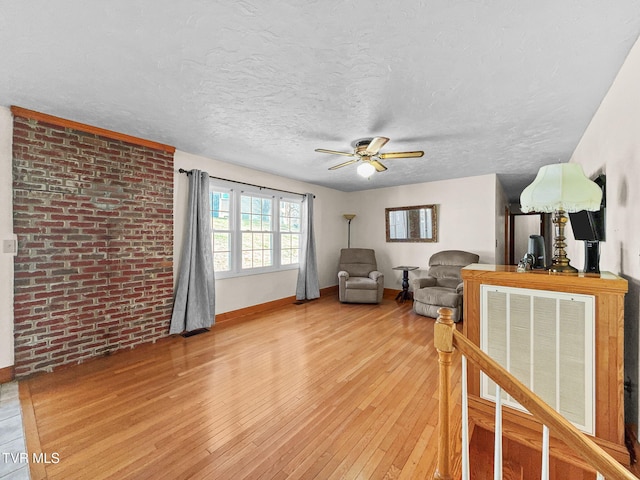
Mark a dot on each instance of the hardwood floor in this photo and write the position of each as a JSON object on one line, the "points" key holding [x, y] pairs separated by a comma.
{"points": [[319, 390]]}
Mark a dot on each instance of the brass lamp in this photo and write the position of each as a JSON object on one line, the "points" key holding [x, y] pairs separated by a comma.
{"points": [[559, 189]]}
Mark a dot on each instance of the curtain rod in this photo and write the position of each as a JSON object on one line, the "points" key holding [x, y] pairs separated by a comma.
{"points": [[188, 172]]}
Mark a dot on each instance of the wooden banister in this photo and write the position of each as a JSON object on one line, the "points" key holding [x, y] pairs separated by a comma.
{"points": [[446, 338], [443, 340]]}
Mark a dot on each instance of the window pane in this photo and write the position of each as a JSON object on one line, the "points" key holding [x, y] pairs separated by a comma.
{"points": [[219, 200], [245, 204], [285, 208], [257, 259], [286, 241], [257, 241], [295, 209], [220, 205], [246, 259], [266, 222], [219, 210], [290, 232], [256, 205], [221, 242], [221, 261], [220, 221], [256, 250], [247, 241], [245, 220], [256, 224]]}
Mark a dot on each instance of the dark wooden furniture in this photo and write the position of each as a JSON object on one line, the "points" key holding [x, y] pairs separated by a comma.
{"points": [[404, 294]]}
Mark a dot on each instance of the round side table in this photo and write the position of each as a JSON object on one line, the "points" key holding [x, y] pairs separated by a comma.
{"points": [[404, 294]]}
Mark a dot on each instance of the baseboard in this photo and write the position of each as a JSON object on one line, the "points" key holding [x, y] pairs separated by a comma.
{"points": [[7, 374], [262, 307]]}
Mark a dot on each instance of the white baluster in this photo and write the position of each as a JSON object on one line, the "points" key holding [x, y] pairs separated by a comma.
{"points": [[545, 453], [465, 422], [497, 457]]}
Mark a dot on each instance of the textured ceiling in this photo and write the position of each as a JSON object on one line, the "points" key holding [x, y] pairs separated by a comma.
{"points": [[482, 87]]}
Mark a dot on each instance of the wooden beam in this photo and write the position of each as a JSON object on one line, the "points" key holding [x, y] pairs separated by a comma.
{"points": [[82, 127]]}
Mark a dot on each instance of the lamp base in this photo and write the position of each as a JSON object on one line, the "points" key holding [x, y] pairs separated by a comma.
{"points": [[560, 262], [563, 269]]}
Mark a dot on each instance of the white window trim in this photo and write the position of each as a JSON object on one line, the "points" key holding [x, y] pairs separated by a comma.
{"points": [[236, 233]]}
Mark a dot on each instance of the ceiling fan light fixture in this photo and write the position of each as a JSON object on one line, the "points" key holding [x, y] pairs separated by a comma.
{"points": [[367, 152], [365, 169]]}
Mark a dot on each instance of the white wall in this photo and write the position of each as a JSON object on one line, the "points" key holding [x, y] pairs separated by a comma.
{"points": [[330, 232], [502, 205], [466, 221], [611, 145], [6, 233]]}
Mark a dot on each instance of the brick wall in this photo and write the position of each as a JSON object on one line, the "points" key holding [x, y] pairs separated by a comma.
{"points": [[94, 219]]}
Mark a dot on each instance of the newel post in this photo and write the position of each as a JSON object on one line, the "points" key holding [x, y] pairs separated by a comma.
{"points": [[443, 340]]}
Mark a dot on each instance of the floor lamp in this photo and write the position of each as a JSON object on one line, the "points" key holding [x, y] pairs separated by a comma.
{"points": [[561, 188], [349, 217]]}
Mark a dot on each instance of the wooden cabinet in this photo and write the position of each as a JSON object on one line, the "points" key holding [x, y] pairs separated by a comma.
{"points": [[607, 291]]}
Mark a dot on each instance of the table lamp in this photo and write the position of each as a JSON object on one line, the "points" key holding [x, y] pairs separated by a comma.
{"points": [[561, 188]]}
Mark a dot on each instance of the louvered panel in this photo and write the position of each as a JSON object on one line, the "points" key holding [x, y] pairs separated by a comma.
{"points": [[545, 355], [520, 337], [572, 368], [546, 340], [497, 331]]}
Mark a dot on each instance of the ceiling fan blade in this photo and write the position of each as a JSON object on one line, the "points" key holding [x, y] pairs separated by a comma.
{"points": [[379, 167], [375, 145], [343, 164], [401, 155], [334, 152]]}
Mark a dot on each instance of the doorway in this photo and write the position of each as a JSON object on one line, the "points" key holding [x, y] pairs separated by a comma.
{"points": [[520, 226]]}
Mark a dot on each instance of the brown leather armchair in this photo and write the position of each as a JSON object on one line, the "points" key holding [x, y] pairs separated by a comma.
{"points": [[443, 286], [358, 278]]}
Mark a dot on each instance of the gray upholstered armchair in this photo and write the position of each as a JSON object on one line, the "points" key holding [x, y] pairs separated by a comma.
{"points": [[443, 285], [358, 278]]}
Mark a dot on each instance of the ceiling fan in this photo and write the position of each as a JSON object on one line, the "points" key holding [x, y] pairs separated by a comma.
{"points": [[367, 151]]}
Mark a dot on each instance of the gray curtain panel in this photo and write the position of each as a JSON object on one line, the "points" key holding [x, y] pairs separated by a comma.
{"points": [[308, 286], [194, 302]]}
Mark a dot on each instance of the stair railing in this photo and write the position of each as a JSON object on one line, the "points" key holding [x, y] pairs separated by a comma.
{"points": [[446, 339]]}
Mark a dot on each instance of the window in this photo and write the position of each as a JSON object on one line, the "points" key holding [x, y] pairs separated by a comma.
{"points": [[221, 226], [253, 232], [290, 219], [256, 218]]}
